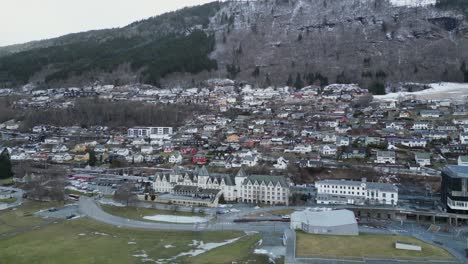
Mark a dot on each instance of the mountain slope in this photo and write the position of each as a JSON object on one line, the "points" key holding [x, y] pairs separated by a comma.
{"points": [[265, 42]]}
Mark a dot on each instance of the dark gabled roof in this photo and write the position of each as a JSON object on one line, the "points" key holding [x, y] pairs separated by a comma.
{"points": [[203, 172], [241, 173], [267, 179]]}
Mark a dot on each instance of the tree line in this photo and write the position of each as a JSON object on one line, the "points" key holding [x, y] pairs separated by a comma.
{"points": [[95, 112]]}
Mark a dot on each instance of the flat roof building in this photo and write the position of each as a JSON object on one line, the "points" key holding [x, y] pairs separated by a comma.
{"points": [[454, 189], [337, 222]]}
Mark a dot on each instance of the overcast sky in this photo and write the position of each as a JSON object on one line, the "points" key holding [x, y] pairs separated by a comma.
{"points": [[26, 20]]}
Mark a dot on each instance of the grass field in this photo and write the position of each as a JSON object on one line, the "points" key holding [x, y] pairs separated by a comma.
{"points": [[8, 200], [6, 182], [25, 238], [364, 245], [21, 218], [138, 213]]}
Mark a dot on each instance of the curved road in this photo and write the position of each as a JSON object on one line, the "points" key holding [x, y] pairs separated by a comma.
{"points": [[89, 207]]}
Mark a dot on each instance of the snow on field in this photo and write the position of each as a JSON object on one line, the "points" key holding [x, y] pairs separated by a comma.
{"points": [[438, 91], [177, 219], [200, 249], [111, 202]]}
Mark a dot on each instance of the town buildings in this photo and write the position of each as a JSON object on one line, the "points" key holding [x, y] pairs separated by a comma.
{"points": [[356, 192], [241, 187]]}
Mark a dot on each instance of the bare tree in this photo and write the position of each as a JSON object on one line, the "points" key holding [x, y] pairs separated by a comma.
{"points": [[125, 194]]}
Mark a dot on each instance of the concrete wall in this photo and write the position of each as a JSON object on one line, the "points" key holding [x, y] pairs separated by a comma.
{"points": [[342, 230]]}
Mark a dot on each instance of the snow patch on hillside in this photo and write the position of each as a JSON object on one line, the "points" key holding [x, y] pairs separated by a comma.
{"points": [[413, 3], [438, 91]]}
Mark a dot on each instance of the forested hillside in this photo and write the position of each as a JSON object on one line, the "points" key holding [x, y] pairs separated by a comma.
{"points": [[269, 42]]}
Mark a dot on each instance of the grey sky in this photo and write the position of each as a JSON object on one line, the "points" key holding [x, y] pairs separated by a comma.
{"points": [[26, 20]]}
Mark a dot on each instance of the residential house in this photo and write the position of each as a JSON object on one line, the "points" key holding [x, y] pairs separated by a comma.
{"points": [[464, 138], [328, 150], [423, 159], [175, 158], [281, 163], [59, 148], [343, 141], [414, 142], [430, 113], [386, 157], [354, 153], [421, 125], [199, 159], [395, 125]]}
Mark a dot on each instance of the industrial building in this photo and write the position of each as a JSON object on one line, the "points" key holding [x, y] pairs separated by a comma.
{"points": [[454, 189], [337, 222]]}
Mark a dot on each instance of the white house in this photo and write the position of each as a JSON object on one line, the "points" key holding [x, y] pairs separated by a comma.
{"points": [[420, 125], [281, 163], [414, 142], [464, 138], [300, 148], [423, 159], [395, 125], [343, 141], [328, 150], [329, 138], [147, 150], [175, 158], [386, 157]]}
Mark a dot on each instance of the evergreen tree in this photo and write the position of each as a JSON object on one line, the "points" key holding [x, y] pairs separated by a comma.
{"points": [[299, 38], [5, 165], [289, 82], [298, 83], [92, 158]]}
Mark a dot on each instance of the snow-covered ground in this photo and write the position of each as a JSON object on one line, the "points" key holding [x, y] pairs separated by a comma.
{"points": [[438, 91], [200, 249], [177, 219], [413, 2]]}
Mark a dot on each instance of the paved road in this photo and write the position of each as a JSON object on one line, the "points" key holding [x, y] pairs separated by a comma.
{"points": [[89, 207], [18, 194]]}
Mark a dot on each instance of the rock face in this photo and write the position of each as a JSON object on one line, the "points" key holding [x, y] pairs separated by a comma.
{"points": [[355, 40], [277, 41]]}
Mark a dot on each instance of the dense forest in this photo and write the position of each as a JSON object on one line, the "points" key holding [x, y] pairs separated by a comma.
{"points": [[88, 113], [156, 58], [155, 47]]}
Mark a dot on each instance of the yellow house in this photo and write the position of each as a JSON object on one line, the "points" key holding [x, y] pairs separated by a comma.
{"points": [[233, 138], [82, 158], [79, 148]]}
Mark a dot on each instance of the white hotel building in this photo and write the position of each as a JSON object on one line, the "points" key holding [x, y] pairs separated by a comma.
{"points": [[356, 192], [257, 189]]}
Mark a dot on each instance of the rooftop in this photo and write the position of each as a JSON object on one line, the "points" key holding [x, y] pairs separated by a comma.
{"points": [[456, 171], [325, 218]]}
